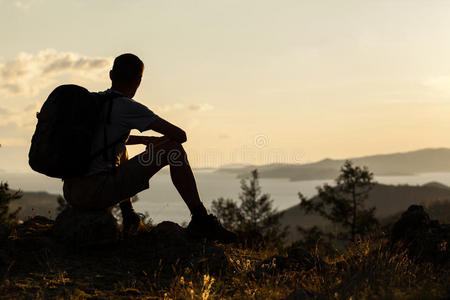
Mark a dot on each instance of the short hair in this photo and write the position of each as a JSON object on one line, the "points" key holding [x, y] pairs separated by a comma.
{"points": [[127, 67]]}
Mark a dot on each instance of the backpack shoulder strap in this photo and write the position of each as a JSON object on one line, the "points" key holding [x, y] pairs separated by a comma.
{"points": [[107, 99]]}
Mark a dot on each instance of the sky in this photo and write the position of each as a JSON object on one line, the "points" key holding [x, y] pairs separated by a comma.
{"points": [[250, 81]]}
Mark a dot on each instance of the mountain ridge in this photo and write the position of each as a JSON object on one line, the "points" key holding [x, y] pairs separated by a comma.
{"points": [[426, 160], [388, 200]]}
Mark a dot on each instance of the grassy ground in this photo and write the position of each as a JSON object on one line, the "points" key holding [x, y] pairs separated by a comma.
{"points": [[366, 270]]}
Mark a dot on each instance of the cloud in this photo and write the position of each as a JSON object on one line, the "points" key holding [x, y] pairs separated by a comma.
{"points": [[11, 88], [9, 127], [169, 107], [32, 107], [4, 111], [21, 4], [70, 61], [200, 107], [24, 4], [27, 74], [16, 126], [13, 134], [180, 106]]}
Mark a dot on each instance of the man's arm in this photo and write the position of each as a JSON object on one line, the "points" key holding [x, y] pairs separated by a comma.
{"points": [[146, 140], [169, 130], [138, 139]]}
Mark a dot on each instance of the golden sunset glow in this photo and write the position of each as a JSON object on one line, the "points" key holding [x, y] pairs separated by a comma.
{"points": [[312, 79]]}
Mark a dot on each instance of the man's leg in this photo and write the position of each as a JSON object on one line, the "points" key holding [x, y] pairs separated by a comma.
{"points": [[126, 206], [173, 154], [130, 219], [202, 225]]}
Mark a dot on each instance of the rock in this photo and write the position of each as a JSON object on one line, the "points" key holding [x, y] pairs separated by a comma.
{"points": [[171, 243], [174, 242], [86, 228], [413, 221], [170, 234], [423, 238]]}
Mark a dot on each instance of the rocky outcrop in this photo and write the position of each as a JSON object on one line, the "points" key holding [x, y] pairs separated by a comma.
{"points": [[423, 238], [81, 228], [74, 239], [169, 242]]}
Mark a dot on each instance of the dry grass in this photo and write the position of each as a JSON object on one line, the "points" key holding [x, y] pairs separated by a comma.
{"points": [[365, 270]]}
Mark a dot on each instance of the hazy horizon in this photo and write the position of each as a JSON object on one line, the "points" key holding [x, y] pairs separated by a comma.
{"points": [[252, 82], [27, 169]]}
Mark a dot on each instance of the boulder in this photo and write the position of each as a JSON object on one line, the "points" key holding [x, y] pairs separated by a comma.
{"points": [[170, 234], [86, 228], [172, 245], [423, 238]]}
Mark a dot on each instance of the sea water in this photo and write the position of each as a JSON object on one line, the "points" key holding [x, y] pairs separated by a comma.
{"points": [[162, 201]]}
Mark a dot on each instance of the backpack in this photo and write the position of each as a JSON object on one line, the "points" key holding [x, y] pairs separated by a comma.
{"points": [[61, 145]]}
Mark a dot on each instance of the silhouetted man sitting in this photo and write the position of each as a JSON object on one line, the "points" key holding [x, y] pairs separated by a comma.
{"points": [[113, 178]]}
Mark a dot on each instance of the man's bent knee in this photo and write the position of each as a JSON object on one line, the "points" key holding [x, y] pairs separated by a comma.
{"points": [[170, 153], [175, 154], [173, 145]]}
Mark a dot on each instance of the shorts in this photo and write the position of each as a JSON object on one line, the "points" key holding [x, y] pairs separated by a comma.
{"points": [[105, 189]]}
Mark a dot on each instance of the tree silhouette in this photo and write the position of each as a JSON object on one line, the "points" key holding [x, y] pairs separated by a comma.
{"points": [[254, 217], [343, 204], [227, 211], [6, 196]]}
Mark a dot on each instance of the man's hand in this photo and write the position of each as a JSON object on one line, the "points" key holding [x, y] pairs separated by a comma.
{"points": [[146, 140], [155, 140]]}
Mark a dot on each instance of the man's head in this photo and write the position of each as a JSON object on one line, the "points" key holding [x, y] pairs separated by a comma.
{"points": [[126, 73]]}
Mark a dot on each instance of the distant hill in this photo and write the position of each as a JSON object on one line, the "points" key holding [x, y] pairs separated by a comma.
{"points": [[406, 163], [388, 200], [36, 203], [437, 184]]}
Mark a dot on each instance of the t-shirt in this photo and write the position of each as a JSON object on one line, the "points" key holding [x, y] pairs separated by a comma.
{"points": [[126, 114]]}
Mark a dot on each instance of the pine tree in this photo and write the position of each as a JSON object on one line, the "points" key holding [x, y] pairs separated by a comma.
{"points": [[254, 216], [6, 196], [343, 204]]}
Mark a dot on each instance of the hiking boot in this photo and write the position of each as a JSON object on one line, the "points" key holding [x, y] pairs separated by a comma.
{"points": [[210, 228], [131, 223]]}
